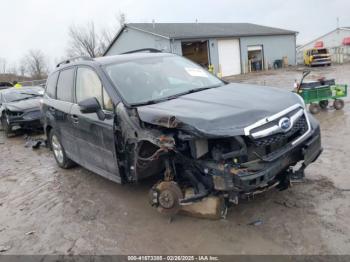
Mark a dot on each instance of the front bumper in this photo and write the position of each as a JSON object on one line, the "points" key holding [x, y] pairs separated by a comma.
{"points": [[321, 62], [260, 174], [29, 120]]}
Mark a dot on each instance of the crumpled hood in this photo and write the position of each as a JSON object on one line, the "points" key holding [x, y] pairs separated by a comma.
{"points": [[20, 106], [223, 111]]}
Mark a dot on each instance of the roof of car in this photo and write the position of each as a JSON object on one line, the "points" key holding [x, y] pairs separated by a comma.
{"points": [[129, 57], [105, 60]]}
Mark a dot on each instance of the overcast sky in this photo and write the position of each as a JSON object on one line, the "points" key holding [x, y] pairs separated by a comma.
{"points": [[43, 24]]}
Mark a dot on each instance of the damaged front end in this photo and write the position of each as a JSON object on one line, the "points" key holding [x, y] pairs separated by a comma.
{"points": [[202, 172]]}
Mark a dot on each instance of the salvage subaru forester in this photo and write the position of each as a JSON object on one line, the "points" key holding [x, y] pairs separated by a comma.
{"points": [[136, 115]]}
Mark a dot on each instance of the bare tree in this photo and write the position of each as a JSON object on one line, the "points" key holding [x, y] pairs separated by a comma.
{"points": [[3, 65], [22, 69], [84, 41], [87, 41], [35, 64], [12, 69], [105, 38], [121, 18]]}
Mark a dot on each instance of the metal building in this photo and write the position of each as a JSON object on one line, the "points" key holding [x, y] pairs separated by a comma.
{"points": [[231, 48], [337, 41]]}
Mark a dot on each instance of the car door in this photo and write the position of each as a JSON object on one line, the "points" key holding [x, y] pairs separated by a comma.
{"points": [[58, 109], [94, 137]]}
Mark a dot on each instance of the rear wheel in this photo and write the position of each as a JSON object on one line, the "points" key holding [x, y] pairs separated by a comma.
{"points": [[58, 151], [323, 104], [314, 108], [338, 104], [5, 123]]}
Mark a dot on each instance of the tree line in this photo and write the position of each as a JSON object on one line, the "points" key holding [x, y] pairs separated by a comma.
{"points": [[83, 40]]}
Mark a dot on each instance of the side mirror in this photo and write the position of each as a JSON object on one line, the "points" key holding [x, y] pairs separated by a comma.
{"points": [[91, 105]]}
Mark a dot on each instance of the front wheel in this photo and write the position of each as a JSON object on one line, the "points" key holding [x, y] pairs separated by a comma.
{"points": [[58, 151], [6, 127], [323, 104], [314, 108], [338, 104]]}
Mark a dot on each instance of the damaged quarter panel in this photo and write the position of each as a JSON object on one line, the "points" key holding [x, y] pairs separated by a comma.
{"points": [[140, 148]]}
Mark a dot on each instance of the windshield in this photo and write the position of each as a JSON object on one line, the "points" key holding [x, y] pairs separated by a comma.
{"points": [[319, 51], [22, 94], [157, 78]]}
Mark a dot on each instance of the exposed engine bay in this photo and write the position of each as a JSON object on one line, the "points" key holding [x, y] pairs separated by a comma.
{"points": [[208, 172]]}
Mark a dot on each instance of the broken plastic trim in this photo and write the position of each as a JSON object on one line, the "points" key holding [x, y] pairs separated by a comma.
{"points": [[270, 118]]}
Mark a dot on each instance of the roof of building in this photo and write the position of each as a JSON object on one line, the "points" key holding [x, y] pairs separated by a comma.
{"points": [[320, 37], [196, 30], [203, 30]]}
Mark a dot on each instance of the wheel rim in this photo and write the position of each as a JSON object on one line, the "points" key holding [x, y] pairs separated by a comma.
{"points": [[57, 149]]}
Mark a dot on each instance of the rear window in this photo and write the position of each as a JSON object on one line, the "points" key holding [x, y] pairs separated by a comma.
{"points": [[65, 85], [51, 85]]}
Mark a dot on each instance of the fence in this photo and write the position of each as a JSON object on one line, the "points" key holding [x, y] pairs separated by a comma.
{"points": [[33, 82], [340, 54]]}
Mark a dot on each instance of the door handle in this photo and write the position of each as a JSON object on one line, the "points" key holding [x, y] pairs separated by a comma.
{"points": [[75, 119]]}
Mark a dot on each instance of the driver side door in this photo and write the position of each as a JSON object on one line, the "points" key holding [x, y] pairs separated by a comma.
{"points": [[95, 137]]}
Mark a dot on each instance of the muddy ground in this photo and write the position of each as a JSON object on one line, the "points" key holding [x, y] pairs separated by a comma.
{"points": [[47, 210]]}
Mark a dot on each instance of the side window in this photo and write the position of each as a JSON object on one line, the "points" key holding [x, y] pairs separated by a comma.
{"points": [[51, 85], [65, 85], [89, 85]]}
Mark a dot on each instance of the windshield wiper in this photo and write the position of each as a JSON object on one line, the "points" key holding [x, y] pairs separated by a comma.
{"points": [[20, 99], [201, 89], [194, 90], [30, 94]]}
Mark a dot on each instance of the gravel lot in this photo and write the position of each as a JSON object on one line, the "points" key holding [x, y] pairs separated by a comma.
{"points": [[46, 210]]}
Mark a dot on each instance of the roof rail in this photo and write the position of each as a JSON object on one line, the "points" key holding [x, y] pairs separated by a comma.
{"points": [[72, 59], [150, 50]]}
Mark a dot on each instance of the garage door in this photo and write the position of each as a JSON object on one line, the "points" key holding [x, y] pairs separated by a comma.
{"points": [[229, 57]]}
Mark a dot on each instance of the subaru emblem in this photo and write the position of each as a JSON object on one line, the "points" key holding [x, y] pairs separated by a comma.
{"points": [[285, 124]]}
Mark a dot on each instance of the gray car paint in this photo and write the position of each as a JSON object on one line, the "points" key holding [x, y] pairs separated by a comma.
{"points": [[24, 105], [222, 111]]}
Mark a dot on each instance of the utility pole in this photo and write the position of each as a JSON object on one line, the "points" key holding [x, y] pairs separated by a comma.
{"points": [[337, 22]]}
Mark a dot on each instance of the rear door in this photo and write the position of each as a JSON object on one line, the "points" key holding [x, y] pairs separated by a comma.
{"points": [[95, 137], [59, 109]]}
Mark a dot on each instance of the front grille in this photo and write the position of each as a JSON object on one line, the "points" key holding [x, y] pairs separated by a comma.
{"points": [[32, 115], [299, 128], [16, 114]]}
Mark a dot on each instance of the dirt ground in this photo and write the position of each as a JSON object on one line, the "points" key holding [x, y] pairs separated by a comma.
{"points": [[46, 210]]}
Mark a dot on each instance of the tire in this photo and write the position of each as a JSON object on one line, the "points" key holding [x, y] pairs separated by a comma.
{"points": [[5, 125], [338, 104], [58, 151], [314, 108], [323, 104]]}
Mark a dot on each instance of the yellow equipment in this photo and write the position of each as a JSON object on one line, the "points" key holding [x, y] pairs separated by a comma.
{"points": [[317, 56]]}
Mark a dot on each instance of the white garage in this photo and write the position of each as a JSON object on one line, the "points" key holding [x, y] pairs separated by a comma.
{"points": [[223, 48], [229, 57]]}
